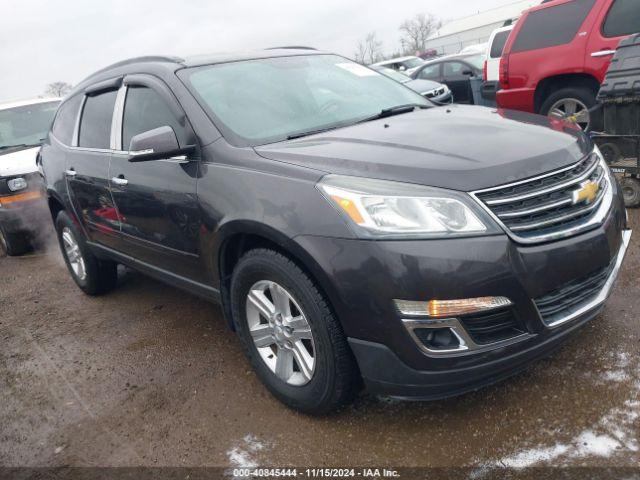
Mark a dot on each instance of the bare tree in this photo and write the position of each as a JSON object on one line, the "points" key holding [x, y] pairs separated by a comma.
{"points": [[416, 31], [57, 89], [369, 50]]}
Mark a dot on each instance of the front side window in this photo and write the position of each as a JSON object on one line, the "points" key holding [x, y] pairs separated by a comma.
{"points": [[65, 122], [623, 19], [552, 26], [25, 126], [454, 69], [431, 72], [95, 125], [145, 110], [266, 100]]}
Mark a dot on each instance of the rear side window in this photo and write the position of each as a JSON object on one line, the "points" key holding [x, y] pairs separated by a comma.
{"points": [[145, 110], [65, 122], [623, 19], [95, 126], [454, 69], [499, 41], [552, 26]]}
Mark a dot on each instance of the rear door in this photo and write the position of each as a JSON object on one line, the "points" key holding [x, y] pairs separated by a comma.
{"points": [[453, 75], [87, 169], [617, 20], [156, 200]]}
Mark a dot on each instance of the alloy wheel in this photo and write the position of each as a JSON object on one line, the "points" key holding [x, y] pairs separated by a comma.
{"points": [[73, 254], [281, 333], [572, 107]]}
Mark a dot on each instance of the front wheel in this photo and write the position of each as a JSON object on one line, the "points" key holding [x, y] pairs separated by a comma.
{"points": [[293, 340], [13, 244], [631, 191], [92, 275]]}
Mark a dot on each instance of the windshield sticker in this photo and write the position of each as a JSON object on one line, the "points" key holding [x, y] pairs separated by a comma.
{"points": [[356, 69]]}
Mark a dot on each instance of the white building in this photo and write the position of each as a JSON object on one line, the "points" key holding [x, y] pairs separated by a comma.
{"points": [[475, 29]]}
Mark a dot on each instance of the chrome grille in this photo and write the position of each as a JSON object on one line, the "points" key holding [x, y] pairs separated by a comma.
{"points": [[435, 93], [548, 207]]}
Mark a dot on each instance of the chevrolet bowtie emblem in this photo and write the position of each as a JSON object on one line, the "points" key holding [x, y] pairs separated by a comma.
{"points": [[587, 192]]}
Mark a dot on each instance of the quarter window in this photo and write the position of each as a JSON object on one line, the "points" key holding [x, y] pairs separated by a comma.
{"points": [[623, 19], [65, 122], [499, 41], [552, 26], [145, 110], [95, 126]]}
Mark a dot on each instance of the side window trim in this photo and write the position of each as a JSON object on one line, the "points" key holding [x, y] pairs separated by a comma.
{"points": [[118, 119], [76, 131]]}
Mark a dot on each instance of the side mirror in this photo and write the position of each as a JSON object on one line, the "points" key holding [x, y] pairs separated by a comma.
{"points": [[402, 68], [468, 73], [156, 144]]}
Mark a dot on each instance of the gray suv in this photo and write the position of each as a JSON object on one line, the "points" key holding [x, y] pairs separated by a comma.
{"points": [[354, 232]]}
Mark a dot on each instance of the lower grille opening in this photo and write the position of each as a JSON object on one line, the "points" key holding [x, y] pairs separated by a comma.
{"points": [[491, 327], [559, 303], [437, 338]]}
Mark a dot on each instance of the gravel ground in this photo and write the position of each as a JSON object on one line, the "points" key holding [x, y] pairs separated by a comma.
{"points": [[151, 376]]}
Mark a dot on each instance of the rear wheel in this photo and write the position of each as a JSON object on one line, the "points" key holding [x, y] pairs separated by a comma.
{"points": [[92, 275], [13, 244], [293, 340], [631, 191], [574, 102]]}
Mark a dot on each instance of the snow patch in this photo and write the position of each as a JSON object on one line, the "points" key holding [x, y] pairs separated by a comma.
{"points": [[532, 456], [244, 455]]}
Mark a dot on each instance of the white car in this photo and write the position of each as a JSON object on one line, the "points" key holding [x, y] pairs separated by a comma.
{"points": [[23, 126], [495, 46], [406, 65], [491, 74]]}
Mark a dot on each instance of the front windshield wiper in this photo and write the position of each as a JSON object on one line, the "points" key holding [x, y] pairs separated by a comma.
{"points": [[397, 110], [19, 145], [384, 113]]}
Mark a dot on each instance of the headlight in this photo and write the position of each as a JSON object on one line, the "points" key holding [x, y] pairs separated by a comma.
{"points": [[16, 184], [380, 208]]}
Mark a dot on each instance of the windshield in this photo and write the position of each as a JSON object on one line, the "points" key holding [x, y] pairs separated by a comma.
{"points": [[476, 60], [394, 74], [255, 102], [413, 62], [26, 125]]}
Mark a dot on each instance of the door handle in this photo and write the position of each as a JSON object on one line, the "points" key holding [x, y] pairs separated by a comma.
{"points": [[120, 181], [603, 53], [71, 172]]}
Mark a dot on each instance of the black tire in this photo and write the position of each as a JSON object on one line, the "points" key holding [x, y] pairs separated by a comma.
{"points": [[611, 152], [335, 380], [630, 191], [100, 276], [13, 244], [583, 95]]}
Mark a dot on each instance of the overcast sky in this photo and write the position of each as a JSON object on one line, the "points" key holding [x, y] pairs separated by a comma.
{"points": [[42, 41]]}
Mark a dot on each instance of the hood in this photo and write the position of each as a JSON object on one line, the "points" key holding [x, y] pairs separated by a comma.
{"points": [[458, 147], [18, 162], [422, 86]]}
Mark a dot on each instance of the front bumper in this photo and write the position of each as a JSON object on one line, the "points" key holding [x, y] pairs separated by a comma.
{"points": [[25, 216], [366, 276]]}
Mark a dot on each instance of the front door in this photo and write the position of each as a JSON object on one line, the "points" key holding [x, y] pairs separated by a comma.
{"points": [[453, 76], [88, 170], [617, 20], [156, 200]]}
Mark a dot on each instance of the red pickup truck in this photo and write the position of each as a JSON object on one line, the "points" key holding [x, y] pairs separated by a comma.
{"points": [[557, 55]]}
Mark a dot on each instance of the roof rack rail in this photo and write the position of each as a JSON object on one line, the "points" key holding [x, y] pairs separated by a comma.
{"points": [[291, 47], [147, 58]]}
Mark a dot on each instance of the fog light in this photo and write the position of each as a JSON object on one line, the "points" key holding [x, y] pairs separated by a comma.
{"points": [[16, 184], [437, 338], [450, 308]]}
